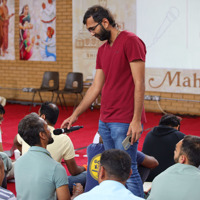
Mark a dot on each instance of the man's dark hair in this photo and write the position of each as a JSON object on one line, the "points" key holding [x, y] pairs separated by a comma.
{"points": [[170, 120], [2, 111], [30, 127], [98, 13], [117, 164], [191, 148], [50, 111]]}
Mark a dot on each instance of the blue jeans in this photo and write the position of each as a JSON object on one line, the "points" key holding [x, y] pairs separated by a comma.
{"points": [[113, 134], [80, 178]]}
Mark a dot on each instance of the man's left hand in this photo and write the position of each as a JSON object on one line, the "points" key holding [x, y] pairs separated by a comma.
{"points": [[135, 129]]}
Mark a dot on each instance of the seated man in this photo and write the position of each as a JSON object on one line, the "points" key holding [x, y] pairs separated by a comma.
{"points": [[4, 193], [61, 148], [114, 170], [7, 167], [182, 180], [160, 143], [2, 112], [37, 174], [2, 101], [145, 164], [94, 150]]}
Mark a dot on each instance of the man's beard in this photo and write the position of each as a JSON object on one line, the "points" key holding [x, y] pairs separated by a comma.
{"points": [[51, 140], [176, 159], [104, 34]]}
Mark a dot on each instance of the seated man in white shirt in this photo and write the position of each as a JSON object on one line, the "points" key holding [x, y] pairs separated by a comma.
{"points": [[114, 170], [61, 148]]}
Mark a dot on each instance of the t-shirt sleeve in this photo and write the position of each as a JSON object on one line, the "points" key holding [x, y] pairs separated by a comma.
{"points": [[69, 152], [135, 49], [25, 146], [140, 157], [98, 60], [19, 139], [60, 176]]}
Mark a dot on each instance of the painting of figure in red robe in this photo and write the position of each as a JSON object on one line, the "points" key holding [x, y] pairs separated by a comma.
{"points": [[7, 50]]}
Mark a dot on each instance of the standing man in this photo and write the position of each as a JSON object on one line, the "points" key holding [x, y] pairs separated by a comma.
{"points": [[120, 69]]}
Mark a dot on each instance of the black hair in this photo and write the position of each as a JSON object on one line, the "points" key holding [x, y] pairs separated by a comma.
{"points": [[170, 120], [2, 111], [24, 8], [191, 147], [98, 13], [50, 111], [30, 127], [117, 164]]}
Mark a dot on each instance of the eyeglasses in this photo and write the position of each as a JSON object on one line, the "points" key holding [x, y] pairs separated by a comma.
{"points": [[91, 29]]}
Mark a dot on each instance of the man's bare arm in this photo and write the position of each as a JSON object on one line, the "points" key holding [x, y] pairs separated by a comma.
{"points": [[63, 193], [73, 168], [138, 73], [88, 99], [149, 162]]}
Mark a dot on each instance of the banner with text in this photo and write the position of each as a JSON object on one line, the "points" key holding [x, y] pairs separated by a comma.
{"points": [[173, 80], [171, 34]]}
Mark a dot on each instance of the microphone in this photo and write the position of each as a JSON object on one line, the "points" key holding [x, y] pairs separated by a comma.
{"points": [[65, 130], [171, 16]]}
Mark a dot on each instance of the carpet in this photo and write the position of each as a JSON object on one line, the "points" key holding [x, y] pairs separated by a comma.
{"points": [[83, 137]]}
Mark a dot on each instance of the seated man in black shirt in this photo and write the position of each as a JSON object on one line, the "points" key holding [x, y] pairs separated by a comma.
{"points": [[160, 143]]}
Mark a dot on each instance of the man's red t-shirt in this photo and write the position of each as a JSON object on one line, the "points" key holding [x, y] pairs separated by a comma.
{"points": [[117, 101]]}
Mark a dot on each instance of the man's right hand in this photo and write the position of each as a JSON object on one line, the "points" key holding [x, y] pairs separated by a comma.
{"points": [[67, 123], [77, 189]]}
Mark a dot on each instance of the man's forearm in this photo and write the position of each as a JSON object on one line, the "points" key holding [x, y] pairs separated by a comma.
{"points": [[73, 168], [88, 99], [138, 101], [138, 73]]}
